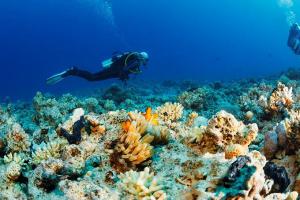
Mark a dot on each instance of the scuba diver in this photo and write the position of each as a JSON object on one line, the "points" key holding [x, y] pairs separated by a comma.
{"points": [[294, 38], [119, 66]]}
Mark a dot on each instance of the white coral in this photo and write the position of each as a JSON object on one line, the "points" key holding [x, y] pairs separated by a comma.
{"points": [[142, 185]]}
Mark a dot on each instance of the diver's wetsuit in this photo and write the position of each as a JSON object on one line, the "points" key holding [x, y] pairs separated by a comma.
{"points": [[121, 67]]}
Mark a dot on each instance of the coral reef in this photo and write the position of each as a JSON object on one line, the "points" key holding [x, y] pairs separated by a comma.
{"points": [[229, 140]]}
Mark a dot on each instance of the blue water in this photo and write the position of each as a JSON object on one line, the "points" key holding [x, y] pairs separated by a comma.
{"points": [[194, 39]]}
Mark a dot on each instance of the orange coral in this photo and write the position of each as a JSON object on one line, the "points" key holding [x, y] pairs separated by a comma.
{"points": [[151, 117], [234, 150], [126, 125]]}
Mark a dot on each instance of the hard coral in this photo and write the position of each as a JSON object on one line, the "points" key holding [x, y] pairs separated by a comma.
{"points": [[142, 185], [17, 139], [223, 131], [281, 98]]}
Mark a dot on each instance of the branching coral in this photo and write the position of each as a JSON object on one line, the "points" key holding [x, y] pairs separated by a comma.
{"points": [[17, 158], [142, 185]]}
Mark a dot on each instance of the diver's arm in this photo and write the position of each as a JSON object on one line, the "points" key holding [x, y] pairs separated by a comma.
{"points": [[133, 67]]}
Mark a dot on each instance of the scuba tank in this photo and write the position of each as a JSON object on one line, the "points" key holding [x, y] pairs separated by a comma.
{"points": [[107, 63]]}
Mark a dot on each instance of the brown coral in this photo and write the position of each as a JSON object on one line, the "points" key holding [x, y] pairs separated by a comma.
{"points": [[225, 132]]}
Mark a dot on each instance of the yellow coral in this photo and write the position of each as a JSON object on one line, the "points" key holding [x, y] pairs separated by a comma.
{"points": [[142, 185], [191, 119], [170, 112]]}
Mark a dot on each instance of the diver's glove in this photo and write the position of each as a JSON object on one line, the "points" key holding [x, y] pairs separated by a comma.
{"points": [[60, 76], [294, 38]]}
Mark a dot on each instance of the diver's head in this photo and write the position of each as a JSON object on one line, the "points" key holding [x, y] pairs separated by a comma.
{"points": [[144, 58]]}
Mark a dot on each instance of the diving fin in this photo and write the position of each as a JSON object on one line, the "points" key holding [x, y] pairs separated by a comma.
{"points": [[56, 78]]}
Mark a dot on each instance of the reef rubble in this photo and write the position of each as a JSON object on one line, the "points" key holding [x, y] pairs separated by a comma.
{"points": [[158, 141]]}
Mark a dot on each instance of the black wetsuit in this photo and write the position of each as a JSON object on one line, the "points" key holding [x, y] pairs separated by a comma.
{"points": [[121, 67]]}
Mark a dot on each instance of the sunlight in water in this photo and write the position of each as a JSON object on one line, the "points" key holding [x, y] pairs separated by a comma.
{"points": [[290, 14], [286, 3], [103, 9]]}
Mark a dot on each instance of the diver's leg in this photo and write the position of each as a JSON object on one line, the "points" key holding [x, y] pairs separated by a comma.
{"points": [[98, 76], [72, 72], [85, 74]]}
